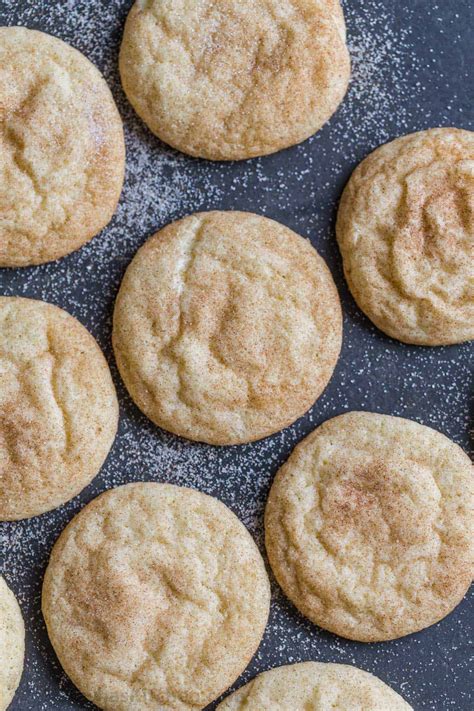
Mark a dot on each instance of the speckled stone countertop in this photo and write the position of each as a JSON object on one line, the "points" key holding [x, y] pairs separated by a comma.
{"points": [[412, 69]]}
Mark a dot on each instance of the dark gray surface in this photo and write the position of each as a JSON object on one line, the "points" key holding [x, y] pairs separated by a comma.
{"points": [[412, 70]]}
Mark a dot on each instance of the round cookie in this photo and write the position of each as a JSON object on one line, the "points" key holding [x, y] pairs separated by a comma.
{"points": [[406, 232], [238, 78], [369, 526], [155, 597], [62, 151], [312, 686], [12, 645], [58, 408], [227, 327]]}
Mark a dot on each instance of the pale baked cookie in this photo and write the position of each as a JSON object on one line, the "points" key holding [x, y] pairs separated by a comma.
{"points": [[237, 78], [155, 597], [62, 149], [313, 686], [406, 232], [12, 645], [369, 526], [227, 327], [58, 408]]}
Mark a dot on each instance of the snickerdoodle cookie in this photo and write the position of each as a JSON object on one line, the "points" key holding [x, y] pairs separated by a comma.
{"points": [[235, 79], [406, 232], [313, 686], [227, 327], [58, 408], [62, 149], [369, 526], [156, 597], [12, 645]]}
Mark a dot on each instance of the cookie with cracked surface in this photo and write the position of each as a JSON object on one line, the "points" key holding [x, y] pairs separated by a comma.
{"points": [[12, 645], [369, 526], [155, 597], [58, 408], [313, 686], [62, 151], [238, 78], [406, 232], [227, 327]]}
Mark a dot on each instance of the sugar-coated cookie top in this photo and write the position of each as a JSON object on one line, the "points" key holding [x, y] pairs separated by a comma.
{"points": [[227, 327], [234, 79], [61, 149], [58, 408], [313, 686], [12, 645], [406, 233], [156, 597], [369, 526]]}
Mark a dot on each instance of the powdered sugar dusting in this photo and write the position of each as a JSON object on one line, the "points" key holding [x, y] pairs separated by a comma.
{"points": [[409, 72]]}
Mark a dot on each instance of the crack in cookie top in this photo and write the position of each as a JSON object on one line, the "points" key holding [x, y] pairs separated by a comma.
{"points": [[58, 407], [369, 526], [234, 79], [62, 149], [227, 327], [406, 232], [155, 597], [312, 686]]}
